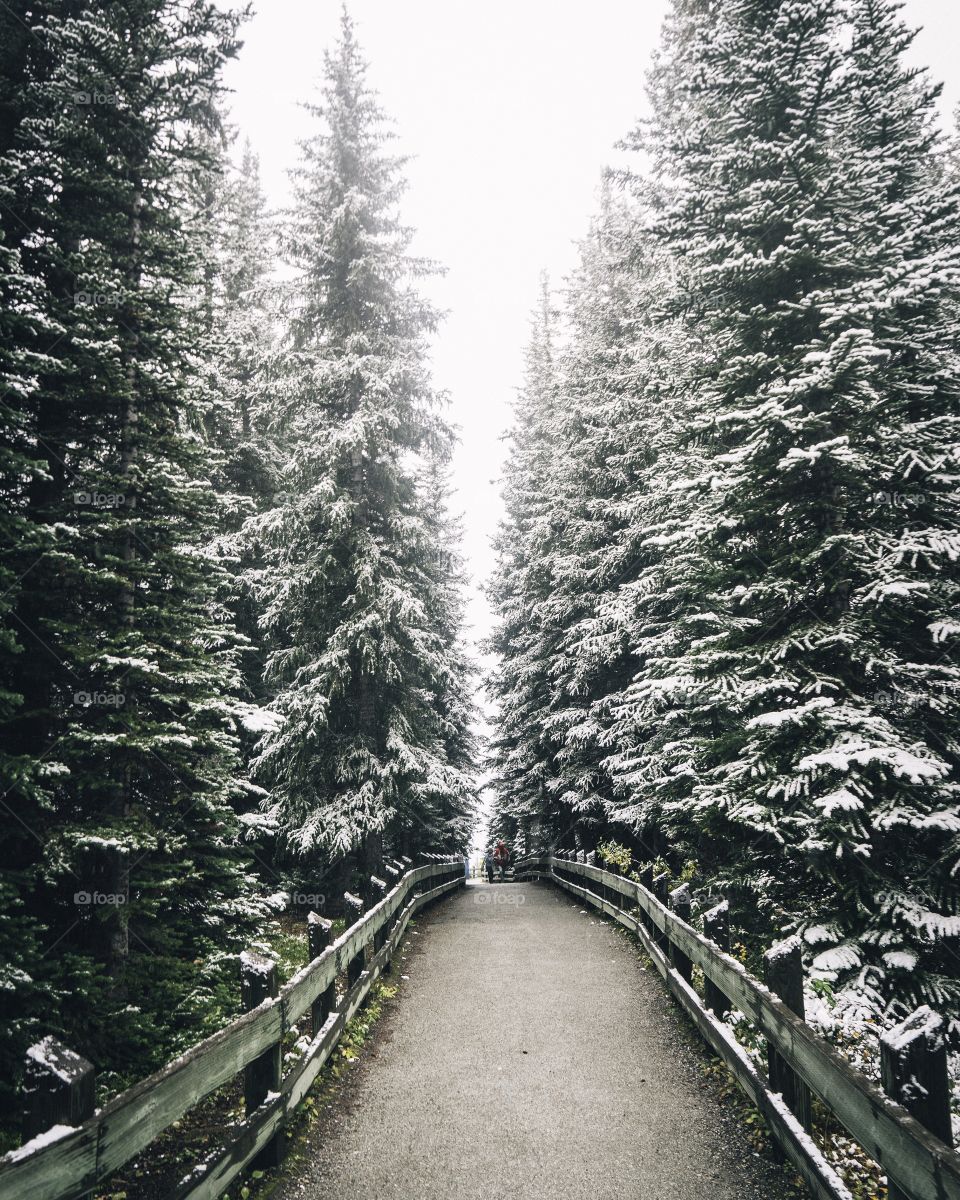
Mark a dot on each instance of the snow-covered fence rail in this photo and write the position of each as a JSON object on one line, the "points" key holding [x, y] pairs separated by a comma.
{"points": [[906, 1131], [72, 1148]]}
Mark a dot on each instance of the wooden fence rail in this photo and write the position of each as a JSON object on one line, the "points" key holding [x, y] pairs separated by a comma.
{"points": [[72, 1149], [906, 1131]]}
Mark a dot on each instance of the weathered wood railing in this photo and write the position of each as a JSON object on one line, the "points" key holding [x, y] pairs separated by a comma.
{"points": [[906, 1130], [73, 1148]]}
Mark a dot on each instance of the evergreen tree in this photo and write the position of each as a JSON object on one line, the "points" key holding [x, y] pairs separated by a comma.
{"points": [[120, 698], [800, 199], [25, 330], [240, 318], [356, 659], [614, 409], [589, 492], [442, 810], [519, 685]]}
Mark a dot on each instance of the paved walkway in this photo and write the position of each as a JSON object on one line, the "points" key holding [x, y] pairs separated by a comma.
{"points": [[528, 1055]]}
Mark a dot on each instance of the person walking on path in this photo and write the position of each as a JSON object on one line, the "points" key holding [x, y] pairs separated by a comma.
{"points": [[488, 866], [501, 856]]}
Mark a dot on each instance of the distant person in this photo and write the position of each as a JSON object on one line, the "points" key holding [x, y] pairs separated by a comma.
{"points": [[488, 866], [501, 856], [466, 866]]}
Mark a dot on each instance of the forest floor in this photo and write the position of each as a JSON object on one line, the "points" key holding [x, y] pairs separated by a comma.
{"points": [[528, 1053]]}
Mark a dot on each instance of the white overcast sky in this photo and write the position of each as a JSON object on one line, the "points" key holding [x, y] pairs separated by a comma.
{"points": [[511, 109]]}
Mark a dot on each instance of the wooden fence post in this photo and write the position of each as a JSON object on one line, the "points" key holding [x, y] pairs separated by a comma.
{"points": [[378, 889], [606, 892], [913, 1072], [59, 1088], [591, 884], [783, 975], [661, 884], [680, 903], [646, 882], [716, 927], [258, 981], [355, 910], [318, 939]]}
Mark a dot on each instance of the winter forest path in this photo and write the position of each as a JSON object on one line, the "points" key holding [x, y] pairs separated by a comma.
{"points": [[529, 1054]]}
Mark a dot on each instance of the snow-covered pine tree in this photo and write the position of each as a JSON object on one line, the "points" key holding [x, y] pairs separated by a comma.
{"points": [[520, 587], [896, 534], [797, 215], [722, 125], [616, 414], [596, 488], [26, 329], [442, 810], [356, 657], [238, 306], [239, 265], [647, 723], [130, 652]]}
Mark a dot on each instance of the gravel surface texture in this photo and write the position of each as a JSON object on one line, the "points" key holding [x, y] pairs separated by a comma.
{"points": [[528, 1054]]}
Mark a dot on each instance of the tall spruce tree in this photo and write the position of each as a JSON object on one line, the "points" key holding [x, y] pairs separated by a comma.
{"points": [[800, 189], [119, 696], [597, 463], [615, 404], [442, 810], [26, 329], [239, 307], [519, 685], [348, 584]]}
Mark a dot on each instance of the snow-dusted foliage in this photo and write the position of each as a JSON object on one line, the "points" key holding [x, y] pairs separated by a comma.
{"points": [[356, 582], [751, 561], [122, 882], [521, 586], [240, 322], [231, 591]]}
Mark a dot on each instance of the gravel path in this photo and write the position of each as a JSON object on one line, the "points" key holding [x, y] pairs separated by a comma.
{"points": [[528, 1055]]}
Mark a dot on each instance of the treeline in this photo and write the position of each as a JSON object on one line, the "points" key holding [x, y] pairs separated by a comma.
{"points": [[231, 662], [728, 577]]}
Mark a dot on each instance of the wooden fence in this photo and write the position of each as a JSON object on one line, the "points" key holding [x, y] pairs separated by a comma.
{"points": [[905, 1127], [72, 1148]]}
